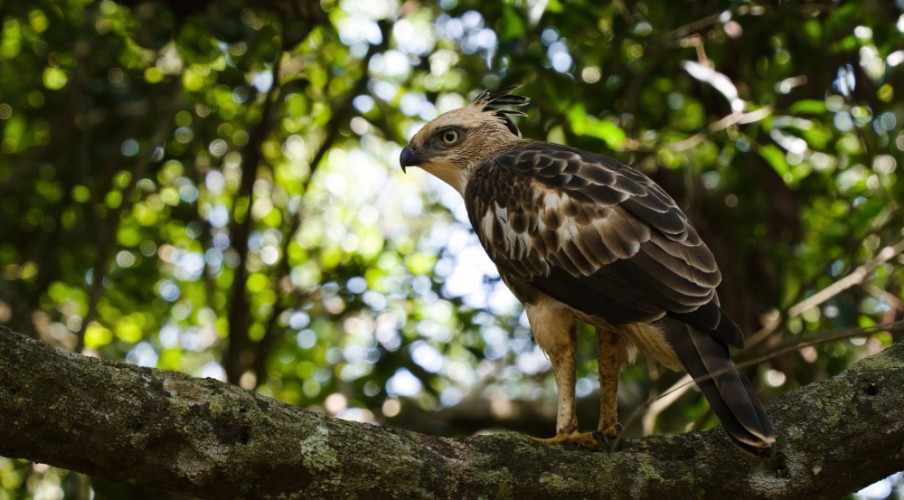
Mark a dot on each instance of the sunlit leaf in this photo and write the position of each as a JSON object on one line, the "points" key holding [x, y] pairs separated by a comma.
{"points": [[808, 106]]}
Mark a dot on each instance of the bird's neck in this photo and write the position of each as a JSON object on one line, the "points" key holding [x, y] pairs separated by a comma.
{"points": [[458, 177], [454, 176]]}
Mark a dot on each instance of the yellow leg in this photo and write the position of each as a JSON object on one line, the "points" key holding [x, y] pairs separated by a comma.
{"points": [[554, 329], [612, 354]]}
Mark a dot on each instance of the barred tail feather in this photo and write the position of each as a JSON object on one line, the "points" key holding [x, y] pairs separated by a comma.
{"points": [[730, 394]]}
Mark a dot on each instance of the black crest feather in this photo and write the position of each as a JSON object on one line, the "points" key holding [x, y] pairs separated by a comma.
{"points": [[489, 100]]}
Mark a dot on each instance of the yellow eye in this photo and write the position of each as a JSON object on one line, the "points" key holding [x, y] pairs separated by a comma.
{"points": [[450, 136]]}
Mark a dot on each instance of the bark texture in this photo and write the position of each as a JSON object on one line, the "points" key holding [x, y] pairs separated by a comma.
{"points": [[213, 440]]}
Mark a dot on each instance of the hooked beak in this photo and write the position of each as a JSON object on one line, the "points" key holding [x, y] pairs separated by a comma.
{"points": [[408, 158]]}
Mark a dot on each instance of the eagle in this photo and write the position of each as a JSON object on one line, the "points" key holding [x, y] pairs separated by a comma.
{"points": [[579, 236]]}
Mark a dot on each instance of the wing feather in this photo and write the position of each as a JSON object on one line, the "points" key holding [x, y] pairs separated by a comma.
{"points": [[595, 234]]}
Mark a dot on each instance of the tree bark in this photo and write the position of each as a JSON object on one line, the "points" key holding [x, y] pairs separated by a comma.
{"points": [[209, 439]]}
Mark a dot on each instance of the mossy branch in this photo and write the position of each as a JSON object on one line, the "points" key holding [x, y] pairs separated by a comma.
{"points": [[209, 439]]}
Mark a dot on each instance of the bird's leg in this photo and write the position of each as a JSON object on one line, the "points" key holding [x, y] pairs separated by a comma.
{"points": [[559, 342], [612, 354], [554, 330]]}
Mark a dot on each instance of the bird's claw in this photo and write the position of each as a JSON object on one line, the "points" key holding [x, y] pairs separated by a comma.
{"points": [[593, 441], [612, 436]]}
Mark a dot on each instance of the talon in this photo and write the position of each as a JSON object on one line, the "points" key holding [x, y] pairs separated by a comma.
{"points": [[611, 436], [603, 439], [594, 441]]}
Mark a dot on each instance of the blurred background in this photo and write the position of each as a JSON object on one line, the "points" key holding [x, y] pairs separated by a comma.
{"points": [[214, 188]]}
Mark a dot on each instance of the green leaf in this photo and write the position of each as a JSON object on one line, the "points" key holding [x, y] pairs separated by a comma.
{"points": [[775, 157], [585, 125], [512, 25], [808, 106], [97, 336]]}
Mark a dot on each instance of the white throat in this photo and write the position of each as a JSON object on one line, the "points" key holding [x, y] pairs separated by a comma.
{"points": [[454, 176]]}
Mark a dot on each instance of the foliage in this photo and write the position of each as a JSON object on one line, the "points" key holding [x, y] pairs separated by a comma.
{"points": [[215, 189]]}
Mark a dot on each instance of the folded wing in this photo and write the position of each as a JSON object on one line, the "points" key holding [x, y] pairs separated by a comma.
{"points": [[596, 235]]}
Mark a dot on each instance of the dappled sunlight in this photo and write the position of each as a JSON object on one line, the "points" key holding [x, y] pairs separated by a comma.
{"points": [[220, 193]]}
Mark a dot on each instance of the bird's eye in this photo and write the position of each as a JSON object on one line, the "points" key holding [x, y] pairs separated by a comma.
{"points": [[450, 136]]}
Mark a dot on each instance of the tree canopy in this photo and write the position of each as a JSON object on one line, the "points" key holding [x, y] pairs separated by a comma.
{"points": [[213, 188]]}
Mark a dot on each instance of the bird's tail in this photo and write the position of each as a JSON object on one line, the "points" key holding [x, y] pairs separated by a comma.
{"points": [[728, 391]]}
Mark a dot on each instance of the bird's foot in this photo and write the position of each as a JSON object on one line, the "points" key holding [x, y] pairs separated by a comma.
{"points": [[612, 435], [612, 431], [594, 441]]}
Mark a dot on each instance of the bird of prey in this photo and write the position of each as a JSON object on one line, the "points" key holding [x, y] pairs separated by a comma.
{"points": [[579, 236]]}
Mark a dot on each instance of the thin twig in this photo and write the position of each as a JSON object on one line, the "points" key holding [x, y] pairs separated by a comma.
{"points": [[660, 403], [722, 124], [881, 294], [854, 278]]}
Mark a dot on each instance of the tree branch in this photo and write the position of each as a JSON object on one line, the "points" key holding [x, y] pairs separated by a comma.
{"points": [[206, 438], [240, 353]]}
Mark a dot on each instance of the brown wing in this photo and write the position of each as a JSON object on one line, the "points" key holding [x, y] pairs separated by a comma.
{"points": [[596, 235]]}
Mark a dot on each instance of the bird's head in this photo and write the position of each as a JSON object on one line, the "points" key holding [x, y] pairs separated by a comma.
{"points": [[453, 143]]}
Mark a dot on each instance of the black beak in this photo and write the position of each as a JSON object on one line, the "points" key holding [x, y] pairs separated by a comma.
{"points": [[408, 158]]}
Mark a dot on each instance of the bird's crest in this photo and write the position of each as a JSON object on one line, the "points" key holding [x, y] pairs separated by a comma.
{"points": [[489, 100]]}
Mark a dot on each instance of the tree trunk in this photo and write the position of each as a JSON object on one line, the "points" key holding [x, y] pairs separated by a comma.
{"points": [[209, 439]]}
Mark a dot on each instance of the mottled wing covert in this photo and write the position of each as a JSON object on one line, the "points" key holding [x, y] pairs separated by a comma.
{"points": [[594, 234]]}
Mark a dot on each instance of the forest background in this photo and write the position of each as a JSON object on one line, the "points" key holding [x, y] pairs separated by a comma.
{"points": [[213, 188]]}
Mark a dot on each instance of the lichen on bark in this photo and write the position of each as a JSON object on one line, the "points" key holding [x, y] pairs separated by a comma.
{"points": [[206, 438]]}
